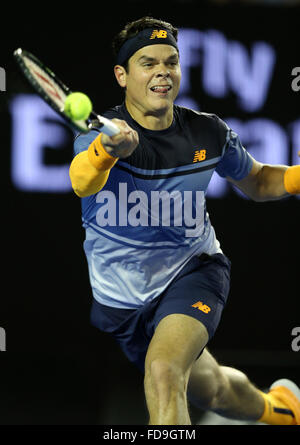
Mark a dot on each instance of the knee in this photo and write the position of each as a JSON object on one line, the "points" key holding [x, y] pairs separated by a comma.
{"points": [[163, 376]]}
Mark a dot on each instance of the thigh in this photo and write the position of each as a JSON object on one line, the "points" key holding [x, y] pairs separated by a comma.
{"points": [[177, 340], [200, 291], [205, 379]]}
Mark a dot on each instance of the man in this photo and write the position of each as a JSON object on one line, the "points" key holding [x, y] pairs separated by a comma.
{"points": [[159, 277]]}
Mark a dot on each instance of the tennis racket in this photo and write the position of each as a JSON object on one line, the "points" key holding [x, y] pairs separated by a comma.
{"points": [[54, 92]]}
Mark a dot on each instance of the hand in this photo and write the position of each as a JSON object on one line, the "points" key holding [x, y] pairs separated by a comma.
{"points": [[122, 144]]}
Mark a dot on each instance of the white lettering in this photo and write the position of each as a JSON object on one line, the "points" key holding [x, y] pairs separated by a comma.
{"points": [[106, 215], [188, 217], [165, 198], [161, 212], [296, 81], [2, 79], [123, 204], [2, 340], [296, 340], [138, 215]]}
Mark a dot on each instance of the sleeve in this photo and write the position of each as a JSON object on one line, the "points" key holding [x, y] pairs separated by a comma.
{"points": [[235, 161], [83, 141]]}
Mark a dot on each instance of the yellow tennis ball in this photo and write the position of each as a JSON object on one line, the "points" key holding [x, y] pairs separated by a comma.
{"points": [[78, 106]]}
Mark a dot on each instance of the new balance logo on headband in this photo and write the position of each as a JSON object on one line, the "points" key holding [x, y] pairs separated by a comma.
{"points": [[146, 37], [162, 34]]}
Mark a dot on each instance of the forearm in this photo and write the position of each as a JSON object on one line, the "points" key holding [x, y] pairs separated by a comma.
{"points": [[270, 183], [278, 181], [90, 169]]}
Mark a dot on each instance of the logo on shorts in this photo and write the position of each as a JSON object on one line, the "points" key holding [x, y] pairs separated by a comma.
{"points": [[159, 34], [202, 307]]}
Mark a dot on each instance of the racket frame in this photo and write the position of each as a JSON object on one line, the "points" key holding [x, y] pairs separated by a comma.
{"points": [[105, 125]]}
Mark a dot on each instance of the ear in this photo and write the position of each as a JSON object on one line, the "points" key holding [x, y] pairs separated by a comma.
{"points": [[120, 74]]}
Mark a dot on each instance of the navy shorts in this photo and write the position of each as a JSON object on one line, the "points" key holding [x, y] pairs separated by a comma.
{"points": [[200, 290]]}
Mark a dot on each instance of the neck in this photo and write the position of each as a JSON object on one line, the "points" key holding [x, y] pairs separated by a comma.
{"points": [[159, 120]]}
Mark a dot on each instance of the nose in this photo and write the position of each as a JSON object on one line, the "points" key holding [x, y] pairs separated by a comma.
{"points": [[166, 74], [163, 75], [163, 71]]}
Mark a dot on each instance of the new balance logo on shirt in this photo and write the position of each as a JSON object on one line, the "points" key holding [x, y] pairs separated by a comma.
{"points": [[200, 155]]}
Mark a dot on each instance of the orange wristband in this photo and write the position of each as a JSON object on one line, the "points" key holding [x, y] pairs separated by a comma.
{"points": [[292, 179], [99, 157]]}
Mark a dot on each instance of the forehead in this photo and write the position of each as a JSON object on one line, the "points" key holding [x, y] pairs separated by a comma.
{"points": [[159, 51]]}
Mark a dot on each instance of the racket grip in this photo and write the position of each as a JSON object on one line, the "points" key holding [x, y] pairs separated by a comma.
{"points": [[108, 127]]}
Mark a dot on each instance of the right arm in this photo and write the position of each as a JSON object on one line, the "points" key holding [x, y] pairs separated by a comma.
{"points": [[90, 169]]}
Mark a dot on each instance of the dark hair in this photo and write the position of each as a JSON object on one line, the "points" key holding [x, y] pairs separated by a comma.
{"points": [[133, 28]]}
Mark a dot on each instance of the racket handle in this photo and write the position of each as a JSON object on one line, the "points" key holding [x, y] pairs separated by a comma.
{"points": [[108, 127]]}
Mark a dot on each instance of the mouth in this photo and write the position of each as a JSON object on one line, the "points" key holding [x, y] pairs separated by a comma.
{"points": [[161, 89]]}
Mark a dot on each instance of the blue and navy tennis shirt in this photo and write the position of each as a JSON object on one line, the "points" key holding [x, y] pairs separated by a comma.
{"points": [[150, 218]]}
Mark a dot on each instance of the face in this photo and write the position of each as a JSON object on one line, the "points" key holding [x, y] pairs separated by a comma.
{"points": [[153, 79]]}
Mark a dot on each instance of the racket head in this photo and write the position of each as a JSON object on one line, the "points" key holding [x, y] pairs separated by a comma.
{"points": [[51, 89]]}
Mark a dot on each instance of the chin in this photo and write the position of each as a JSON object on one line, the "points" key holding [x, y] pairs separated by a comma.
{"points": [[160, 106]]}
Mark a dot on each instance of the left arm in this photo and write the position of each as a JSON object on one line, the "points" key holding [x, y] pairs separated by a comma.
{"points": [[269, 182]]}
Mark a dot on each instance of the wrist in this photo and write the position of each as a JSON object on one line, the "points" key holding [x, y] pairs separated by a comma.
{"points": [[292, 179], [110, 150], [121, 146], [99, 157]]}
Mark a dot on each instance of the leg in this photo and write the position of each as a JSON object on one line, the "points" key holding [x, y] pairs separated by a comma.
{"points": [[174, 347], [223, 390]]}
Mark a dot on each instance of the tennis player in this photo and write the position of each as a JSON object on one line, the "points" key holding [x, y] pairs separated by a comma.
{"points": [[159, 277]]}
